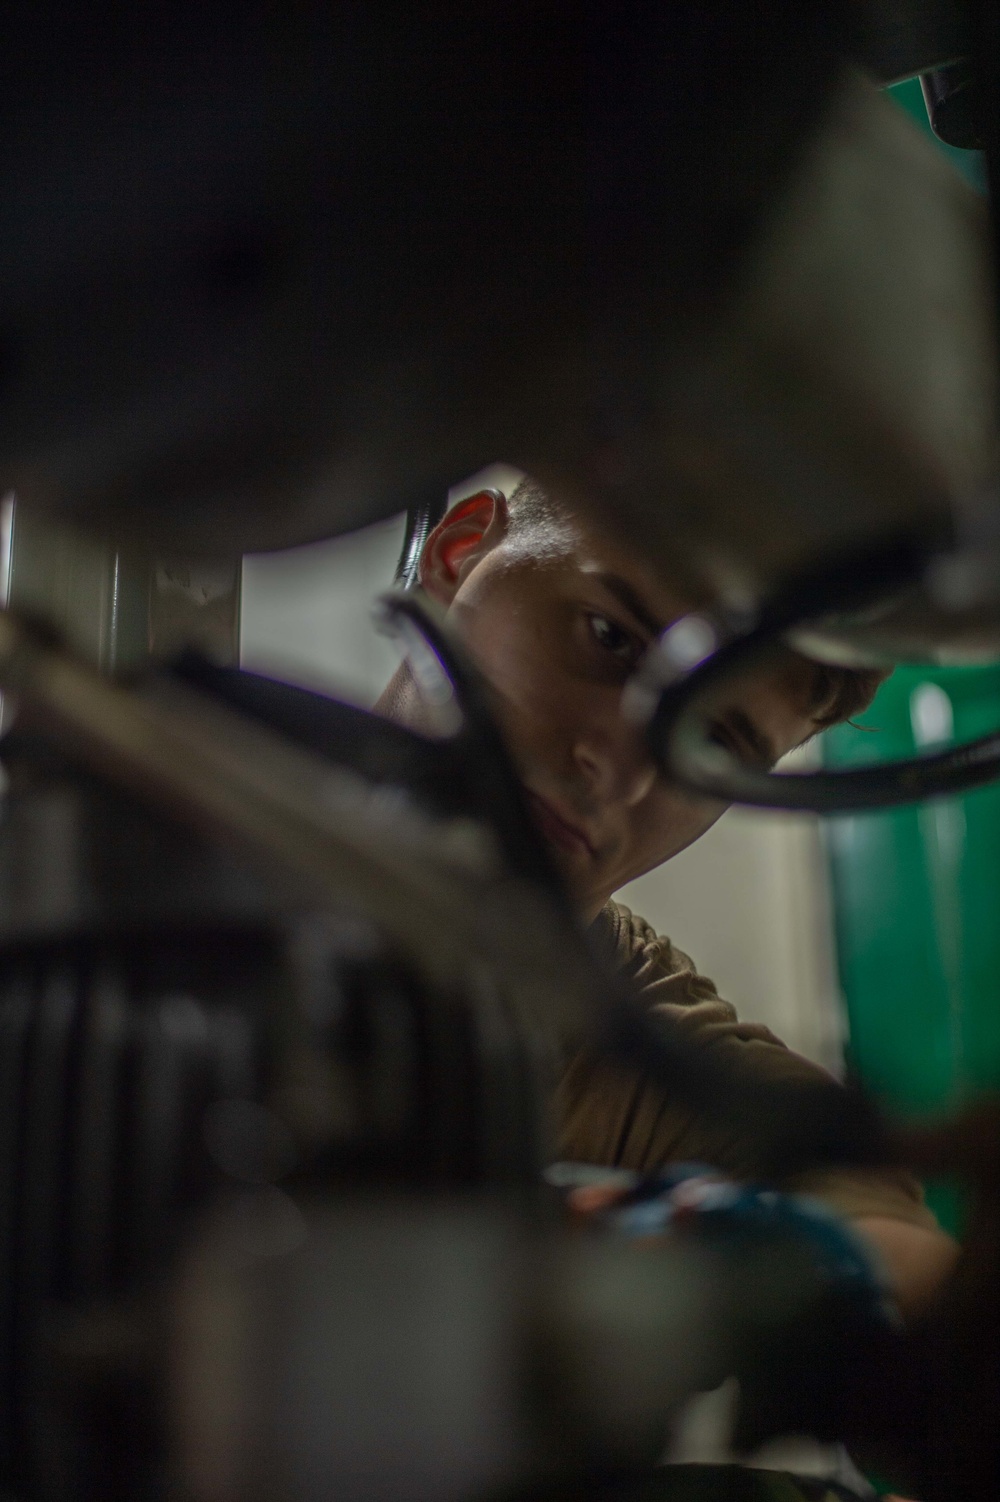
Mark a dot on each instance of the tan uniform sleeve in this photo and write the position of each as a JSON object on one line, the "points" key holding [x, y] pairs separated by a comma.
{"points": [[614, 1118]]}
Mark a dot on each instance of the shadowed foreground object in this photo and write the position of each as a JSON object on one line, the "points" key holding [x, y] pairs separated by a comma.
{"points": [[281, 1016], [263, 283]]}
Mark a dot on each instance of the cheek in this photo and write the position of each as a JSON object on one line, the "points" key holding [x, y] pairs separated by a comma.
{"points": [[668, 822], [513, 650]]}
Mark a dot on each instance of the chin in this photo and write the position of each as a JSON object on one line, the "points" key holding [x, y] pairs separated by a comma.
{"points": [[575, 874], [587, 902]]}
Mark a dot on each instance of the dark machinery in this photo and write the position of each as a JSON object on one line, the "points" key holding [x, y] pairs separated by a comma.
{"points": [[306, 1083], [284, 989]]}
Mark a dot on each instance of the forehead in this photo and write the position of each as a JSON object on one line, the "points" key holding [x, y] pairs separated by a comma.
{"points": [[657, 596]]}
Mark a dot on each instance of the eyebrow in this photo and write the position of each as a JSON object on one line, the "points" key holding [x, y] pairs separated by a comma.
{"points": [[633, 602]]}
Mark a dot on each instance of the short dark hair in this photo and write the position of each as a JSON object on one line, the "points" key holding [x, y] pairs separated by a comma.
{"points": [[836, 693], [530, 507], [840, 693]]}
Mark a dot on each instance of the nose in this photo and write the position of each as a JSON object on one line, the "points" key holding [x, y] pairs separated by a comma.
{"points": [[614, 762]]}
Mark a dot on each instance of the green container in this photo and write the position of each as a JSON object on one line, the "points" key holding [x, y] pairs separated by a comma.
{"points": [[917, 907], [917, 901], [917, 890]]}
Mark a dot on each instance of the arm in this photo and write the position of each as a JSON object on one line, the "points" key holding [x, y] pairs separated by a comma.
{"points": [[624, 1121], [618, 1119], [917, 1258]]}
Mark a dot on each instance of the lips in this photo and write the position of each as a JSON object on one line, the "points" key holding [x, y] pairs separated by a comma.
{"points": [[557, 829]]}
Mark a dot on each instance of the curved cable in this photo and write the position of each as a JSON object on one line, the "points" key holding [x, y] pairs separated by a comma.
{"points": [[696, 656], [457, 698]]}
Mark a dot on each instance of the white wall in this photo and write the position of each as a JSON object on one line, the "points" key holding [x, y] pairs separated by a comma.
{"points": [[307, 613], [748, 901]]}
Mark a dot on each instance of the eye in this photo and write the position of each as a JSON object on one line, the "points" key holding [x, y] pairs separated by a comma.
{"points": [[745, 746], [615, 639], [719, 734]]}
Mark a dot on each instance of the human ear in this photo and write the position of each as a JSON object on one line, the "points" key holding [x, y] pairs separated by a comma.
{"points": [[461, 538]]}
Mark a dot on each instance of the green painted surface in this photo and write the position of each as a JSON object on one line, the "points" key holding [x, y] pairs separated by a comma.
{"points": [[917, 908], [917, 890], [970, 164], [917, 901]]}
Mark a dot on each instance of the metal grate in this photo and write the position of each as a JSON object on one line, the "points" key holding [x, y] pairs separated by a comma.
{"points": [[104, 1081]]}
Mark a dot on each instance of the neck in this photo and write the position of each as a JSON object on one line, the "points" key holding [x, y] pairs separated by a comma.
{"points": [[400, 700], [394, 700]]}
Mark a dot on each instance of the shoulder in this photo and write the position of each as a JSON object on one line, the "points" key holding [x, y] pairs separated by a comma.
{"points": [[650, 959]]}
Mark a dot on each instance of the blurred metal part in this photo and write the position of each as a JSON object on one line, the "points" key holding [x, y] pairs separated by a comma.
{"points": [[959, 585], [445, 1347], [438, 889], [148, 1070], [182, 1026], [943, 606], [77, 857], [230, 776], [93, 594], [330, 1121], [949, 97], [421, 517], [366, 1349], [748, 347], [195, 603], [262, 284], [848, 394], [118, 606], [985, 64], [897, 39]]}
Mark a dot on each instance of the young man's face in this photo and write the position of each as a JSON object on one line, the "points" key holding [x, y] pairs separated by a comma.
{"points": [[557, 637]]}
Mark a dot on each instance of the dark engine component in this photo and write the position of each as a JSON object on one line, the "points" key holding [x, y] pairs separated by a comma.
{"points": [[273, 1218], [222, 1097], [278, 1035], [264, 282], [168, 1051], [264, 277], [109, 1068], [948, 94]]}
